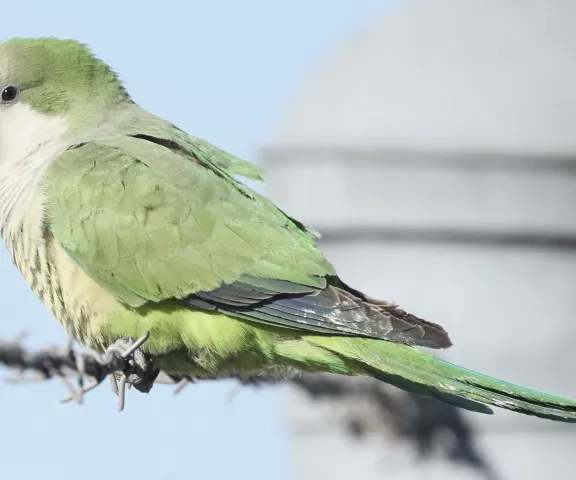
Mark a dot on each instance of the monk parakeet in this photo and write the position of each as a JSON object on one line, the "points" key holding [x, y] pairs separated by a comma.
{"points": [[122, 223]]}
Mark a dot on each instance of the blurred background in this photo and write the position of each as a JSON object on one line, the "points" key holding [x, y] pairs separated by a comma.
{"points": [[432, 142]]}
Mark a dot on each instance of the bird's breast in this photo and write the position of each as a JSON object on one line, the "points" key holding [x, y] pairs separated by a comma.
{"points": [[77, 301]]}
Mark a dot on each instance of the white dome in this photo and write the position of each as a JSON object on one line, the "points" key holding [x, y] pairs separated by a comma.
{"points": [[447, 75]]}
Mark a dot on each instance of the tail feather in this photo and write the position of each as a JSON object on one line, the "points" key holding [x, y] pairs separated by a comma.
{"points": [[417, 372]]}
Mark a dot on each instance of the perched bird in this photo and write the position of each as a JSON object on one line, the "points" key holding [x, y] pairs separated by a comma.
{"points": [[122, 223]]}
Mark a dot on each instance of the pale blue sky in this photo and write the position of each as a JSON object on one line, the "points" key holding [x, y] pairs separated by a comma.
{"points": [[224, 71]]}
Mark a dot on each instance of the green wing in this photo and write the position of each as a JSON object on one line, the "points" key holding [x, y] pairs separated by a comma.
{"points": [[152, 219], [141, 217]]}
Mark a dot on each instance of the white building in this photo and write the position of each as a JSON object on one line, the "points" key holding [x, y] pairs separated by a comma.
{"points": [[436, 153]]}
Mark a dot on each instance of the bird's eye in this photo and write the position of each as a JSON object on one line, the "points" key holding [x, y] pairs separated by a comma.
{"points": [[9, 94]]}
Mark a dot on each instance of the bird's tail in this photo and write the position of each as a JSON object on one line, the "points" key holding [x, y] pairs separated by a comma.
{"points": [[415, 371]]}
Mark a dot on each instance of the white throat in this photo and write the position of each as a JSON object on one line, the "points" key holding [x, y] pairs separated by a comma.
{"points": [[29, 141]]}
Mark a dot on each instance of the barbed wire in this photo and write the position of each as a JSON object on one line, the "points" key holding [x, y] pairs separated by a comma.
{"points": [[123, 363], [373, 407]]}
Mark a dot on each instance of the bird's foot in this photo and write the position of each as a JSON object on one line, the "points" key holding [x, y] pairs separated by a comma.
{"points": [[124, 362], [137, 371]]}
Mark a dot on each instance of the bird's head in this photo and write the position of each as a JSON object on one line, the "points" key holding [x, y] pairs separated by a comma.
{"points": [[49, 86], [55, 77]]}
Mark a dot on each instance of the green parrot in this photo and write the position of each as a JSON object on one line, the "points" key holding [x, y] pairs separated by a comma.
{"points": [[122, 223]]}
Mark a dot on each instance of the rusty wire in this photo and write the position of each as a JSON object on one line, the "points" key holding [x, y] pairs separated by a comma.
{"points": [[67, 364], [123, 363]]}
